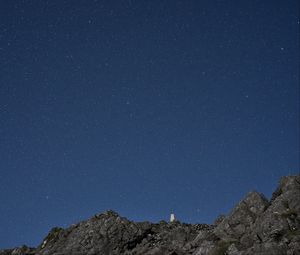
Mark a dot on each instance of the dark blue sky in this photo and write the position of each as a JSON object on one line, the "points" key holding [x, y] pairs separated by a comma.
{"points": [[143, 107]]}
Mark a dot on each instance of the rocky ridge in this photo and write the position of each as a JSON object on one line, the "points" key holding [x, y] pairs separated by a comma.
{"points": [[254, 226]]}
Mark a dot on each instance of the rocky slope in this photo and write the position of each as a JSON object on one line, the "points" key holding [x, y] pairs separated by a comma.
{"points": [[254, 226]]}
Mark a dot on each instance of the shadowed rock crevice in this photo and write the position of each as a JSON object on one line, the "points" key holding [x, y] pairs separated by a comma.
{"points": [[134, 243]]}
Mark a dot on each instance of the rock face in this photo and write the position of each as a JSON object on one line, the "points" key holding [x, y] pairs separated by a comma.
{"points": [[254, 226]]}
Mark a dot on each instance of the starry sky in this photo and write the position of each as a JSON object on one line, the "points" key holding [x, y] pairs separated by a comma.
{"points": [[143, 107]]}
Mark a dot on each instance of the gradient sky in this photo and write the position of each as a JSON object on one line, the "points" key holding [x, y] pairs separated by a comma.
{"points": [[143, 107]]}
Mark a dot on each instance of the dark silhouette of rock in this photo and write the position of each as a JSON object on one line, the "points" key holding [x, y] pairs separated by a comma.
{"points": [[254, 226]]}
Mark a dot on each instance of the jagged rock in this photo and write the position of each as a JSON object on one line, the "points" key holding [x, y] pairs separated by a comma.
{"points": [[279, 225], [219, 219], [23, 250], [242, 217], [254, 226]]}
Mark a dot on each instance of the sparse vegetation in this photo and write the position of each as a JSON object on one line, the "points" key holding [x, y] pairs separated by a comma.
{"points": [[285, 203], [289, 213], [54, 233], [222, 247]]}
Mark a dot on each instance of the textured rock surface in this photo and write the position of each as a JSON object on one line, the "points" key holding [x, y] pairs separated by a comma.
{"points": [[254, 226]]}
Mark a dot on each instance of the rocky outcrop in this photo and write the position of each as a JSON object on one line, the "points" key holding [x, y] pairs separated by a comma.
{"points": [[254, 226], [242, 217], [24, 250], [108, 233]]}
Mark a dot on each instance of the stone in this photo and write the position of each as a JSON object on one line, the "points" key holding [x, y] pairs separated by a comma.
{"points": [[254, 226]]}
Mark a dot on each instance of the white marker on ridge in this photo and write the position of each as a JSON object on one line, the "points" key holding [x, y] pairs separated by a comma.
{"points": [[172, 217]]}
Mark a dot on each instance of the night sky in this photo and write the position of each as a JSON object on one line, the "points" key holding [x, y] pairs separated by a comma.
{"points": [[143, 107]]}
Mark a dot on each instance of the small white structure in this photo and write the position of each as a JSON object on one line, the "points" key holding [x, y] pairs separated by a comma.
{"points": [[172, 217]]}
